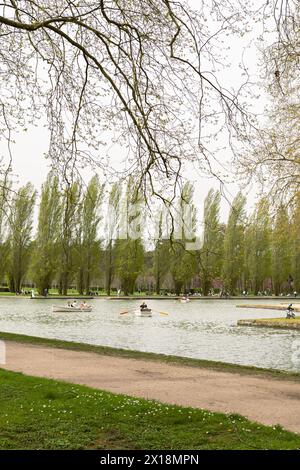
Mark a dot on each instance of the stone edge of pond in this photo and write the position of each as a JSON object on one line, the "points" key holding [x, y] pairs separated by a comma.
{"points": [[141, 355], [271, 323]]}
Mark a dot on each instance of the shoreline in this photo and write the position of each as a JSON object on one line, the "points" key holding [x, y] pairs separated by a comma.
{"points": [[149, 356], [261, 398], [147, 297]]}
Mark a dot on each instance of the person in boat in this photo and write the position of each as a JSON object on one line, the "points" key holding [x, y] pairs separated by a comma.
{"points": [[290, 311], [84, 305], [74, 304], [143, 306], [69, 304]]}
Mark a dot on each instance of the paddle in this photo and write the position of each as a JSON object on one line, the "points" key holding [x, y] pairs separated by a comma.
{"points": [[127, 311], [161, 313]]}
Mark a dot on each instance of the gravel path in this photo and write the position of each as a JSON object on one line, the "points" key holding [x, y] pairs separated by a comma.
{"points": [[265, 400]]}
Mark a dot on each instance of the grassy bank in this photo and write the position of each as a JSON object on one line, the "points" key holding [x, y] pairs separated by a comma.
{"points": [[185, 361], [45, 414]]}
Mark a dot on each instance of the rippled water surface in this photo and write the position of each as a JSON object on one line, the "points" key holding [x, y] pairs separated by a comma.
{"points": [[205, 329]]}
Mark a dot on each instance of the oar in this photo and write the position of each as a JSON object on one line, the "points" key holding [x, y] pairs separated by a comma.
{"points": [[127, 311], [161, 313]]}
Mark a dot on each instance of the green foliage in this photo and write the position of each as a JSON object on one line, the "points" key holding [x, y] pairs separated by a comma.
{"points": [[45, 258], [233, 266], [281, 251], [295, 243], [183, 263], [20, 229], [67, 250], [112, 224], [4, 212], [129, 250], [258, 247], [211, 254], [129, 263], [68, 229], [87, 243]]}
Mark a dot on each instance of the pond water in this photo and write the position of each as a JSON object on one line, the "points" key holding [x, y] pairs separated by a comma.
{"points": [[205, 329]]}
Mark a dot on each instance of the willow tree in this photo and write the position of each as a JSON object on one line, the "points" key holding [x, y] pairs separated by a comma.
{"points": [[20, 232], [233, 263], [211, 253], [46, 260]]}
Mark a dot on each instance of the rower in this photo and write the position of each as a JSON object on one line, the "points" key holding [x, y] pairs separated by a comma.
{"points": [[143, 306]]}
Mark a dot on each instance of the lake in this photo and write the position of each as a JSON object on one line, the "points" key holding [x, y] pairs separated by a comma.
{"points": [[204, 329]]}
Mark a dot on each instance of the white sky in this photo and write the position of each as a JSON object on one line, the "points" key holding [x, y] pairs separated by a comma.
{"points": [[30, 165]]}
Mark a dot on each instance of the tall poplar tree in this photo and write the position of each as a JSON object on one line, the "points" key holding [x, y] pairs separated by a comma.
{"points": [[295, 248], [20, 231], [46, 247], [69, 224], [233, 266], [183, 261], [4, 217], [88, 243], [281, 252], [211, 253], [112, 224], [129, 246], [258, 247]]}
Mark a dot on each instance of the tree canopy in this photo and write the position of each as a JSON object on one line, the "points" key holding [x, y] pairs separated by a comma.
{"points": [[145, 74]]}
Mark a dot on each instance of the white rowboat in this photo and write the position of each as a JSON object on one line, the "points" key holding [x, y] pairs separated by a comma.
{"points": [[145, 312], [57, 309]]}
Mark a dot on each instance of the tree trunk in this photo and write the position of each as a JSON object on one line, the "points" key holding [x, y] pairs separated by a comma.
{"points": [[108, 268], [80, 281], [157, 283]]}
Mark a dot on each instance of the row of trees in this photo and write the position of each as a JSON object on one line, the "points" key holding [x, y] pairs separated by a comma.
{"points": [[78, 243]]}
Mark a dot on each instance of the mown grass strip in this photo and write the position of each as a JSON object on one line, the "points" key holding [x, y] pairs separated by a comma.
{"points": [[38, 413]]}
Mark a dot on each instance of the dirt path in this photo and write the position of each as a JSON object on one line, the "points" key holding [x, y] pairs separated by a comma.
{"points": [[265, 400]]}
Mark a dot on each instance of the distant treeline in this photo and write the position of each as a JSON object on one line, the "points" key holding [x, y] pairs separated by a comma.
{"points": [[78, 243]]}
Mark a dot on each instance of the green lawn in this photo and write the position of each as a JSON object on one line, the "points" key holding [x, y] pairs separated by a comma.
{"points": [[38, 413]]}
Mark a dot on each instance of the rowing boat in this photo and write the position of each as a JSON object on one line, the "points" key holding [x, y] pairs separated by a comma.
{"points": [[57, 309], [144, 312]]}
